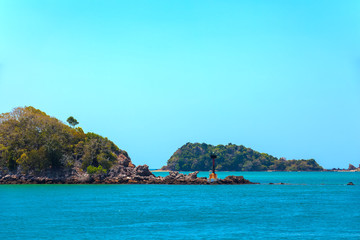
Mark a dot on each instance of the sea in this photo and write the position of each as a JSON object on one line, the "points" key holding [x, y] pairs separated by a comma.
{"points": [[309, 205]]}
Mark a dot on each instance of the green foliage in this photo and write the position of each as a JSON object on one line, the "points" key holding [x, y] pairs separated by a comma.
{"points": [[72, 121], [197, 157], [98, 151], [33, 142], [95, 170]]}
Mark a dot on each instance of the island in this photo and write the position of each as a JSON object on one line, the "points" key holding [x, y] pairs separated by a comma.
{"points": [[231, 157], [36, 148]]}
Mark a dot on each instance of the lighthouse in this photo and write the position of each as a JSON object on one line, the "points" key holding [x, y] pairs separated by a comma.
{"points": [[213, 176]]}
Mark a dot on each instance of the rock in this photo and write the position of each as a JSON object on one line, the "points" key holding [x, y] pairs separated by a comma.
{"points": [[174, 175], [192, 175], [235, 180], [350, 183], [351, 167], [82, 178], [126, 162], [143, 170]]}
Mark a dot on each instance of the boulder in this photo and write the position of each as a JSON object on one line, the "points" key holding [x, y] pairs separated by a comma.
{"points": [[191, 176], [351, 167], [235, 180], [143, 170]]}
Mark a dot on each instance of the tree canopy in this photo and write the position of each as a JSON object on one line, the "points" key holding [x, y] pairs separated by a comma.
{"points": [[72, 121], [33, 142], [231, 157]]}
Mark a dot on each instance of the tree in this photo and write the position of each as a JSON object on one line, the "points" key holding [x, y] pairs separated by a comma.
{"points": [[72, 121]]}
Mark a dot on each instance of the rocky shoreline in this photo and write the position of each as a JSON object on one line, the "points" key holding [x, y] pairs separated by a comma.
{"points": [[123, 173], [174, 178]]}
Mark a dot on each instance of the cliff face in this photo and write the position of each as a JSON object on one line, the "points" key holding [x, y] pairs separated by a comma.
{"points": [[196, 157]]}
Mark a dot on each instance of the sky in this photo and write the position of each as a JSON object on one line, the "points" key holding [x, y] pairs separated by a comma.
{"points": [[281, 77]]}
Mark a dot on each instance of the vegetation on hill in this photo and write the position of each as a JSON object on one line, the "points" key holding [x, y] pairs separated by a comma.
{"points": [[31, 142], [196, 157]]}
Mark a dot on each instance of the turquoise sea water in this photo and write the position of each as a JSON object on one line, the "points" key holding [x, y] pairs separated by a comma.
{"points": [[313, 206]]}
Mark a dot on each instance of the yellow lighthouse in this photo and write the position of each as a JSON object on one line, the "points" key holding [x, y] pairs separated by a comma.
{"points": [[213, 176]]}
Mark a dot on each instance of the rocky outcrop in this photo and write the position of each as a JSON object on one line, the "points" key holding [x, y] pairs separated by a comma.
{"points": [[351, 167], [121, 173], [143, 170], [235, 180]]}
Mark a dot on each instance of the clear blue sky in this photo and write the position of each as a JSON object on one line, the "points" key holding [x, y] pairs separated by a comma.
{"points": [[281, 77]]}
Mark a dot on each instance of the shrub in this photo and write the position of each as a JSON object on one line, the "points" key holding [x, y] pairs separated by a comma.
{"points": [[95, 170]]}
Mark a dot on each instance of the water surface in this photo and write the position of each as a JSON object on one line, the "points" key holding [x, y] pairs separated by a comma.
{"points": [[314, 206]]}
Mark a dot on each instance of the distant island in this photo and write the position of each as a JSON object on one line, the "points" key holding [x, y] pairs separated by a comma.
{"points": [[37, 148], [231, 157]]}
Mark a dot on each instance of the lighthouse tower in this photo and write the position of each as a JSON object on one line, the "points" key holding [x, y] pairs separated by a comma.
{"points": [[213, 176]]}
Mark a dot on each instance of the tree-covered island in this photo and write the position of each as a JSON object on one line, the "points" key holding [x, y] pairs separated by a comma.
{"points": [[31, 142], [231, 157]]}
